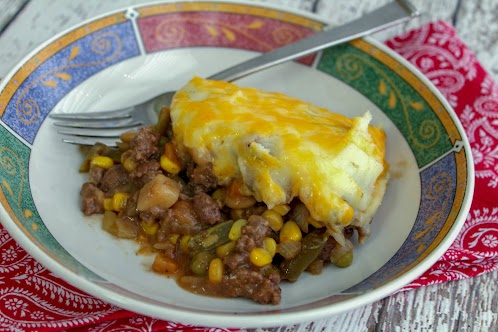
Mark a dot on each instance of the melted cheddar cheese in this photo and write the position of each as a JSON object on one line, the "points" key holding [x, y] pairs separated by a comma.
{"points": [[282, 147]]}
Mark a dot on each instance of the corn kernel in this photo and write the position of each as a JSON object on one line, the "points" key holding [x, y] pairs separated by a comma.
{"points": [[236, 230], [215, 272], [125, 155], [150, 229], [281, 209], [108, 204], [260, 257], [270, 245], [119, 201], [184, 242], [290, 231], [102, 162], [274, 219], [128, 136], [314, 223], [348, 215], [122, 146], [225, 249], [169, 160], [130, 165], [169, 166]]}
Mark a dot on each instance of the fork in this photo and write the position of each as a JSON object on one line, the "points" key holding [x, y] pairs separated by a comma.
{"points": [[106, 127]]}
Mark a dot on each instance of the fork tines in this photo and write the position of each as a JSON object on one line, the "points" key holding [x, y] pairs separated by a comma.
{"points": [[87, 129]]}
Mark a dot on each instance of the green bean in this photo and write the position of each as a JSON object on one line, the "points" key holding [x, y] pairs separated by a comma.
{"points": [[162, 142], [312, 245], [163, 121], [114, 154], [211, 237]]}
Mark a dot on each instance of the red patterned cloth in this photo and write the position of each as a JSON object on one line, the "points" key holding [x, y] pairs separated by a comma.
{"points": [[32, 298], [438, 52]]}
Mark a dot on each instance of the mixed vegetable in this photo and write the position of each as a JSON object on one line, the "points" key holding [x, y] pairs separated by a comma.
{"points": [[215, 240]]}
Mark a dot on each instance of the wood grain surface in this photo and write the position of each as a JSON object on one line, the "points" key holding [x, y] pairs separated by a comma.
{"points": [[465, 305], [475, 21]]}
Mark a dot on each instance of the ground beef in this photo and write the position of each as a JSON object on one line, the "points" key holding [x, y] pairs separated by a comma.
{"points": [[145, 172], [348, 232], [257, 284], [207, 209], [327, 249], [114, 177], [253, 233], [256, 209], [236, 259], [202, 179], [92, 199], [153, 215], [96, 174], [181, 219], [144, 145], [168, 248]]}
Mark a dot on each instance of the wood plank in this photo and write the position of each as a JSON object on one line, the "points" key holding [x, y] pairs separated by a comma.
{"points": [[475, 21], [9, 9], [40, 20], [342, 11], [464, 305], [43, 19], [306, 5], [477, 25], [22, 37]]}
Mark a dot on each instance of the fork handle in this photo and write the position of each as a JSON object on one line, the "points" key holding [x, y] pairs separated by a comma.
{"points": [[391, 14]]}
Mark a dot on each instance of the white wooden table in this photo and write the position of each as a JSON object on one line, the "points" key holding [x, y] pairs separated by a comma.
{"points": [[465, 305]]}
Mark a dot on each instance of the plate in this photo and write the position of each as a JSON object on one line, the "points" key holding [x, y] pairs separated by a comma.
{"points": [[133, 54]]}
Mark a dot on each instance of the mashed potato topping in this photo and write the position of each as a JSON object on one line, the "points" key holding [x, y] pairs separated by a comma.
{"points": [[282, 148]]}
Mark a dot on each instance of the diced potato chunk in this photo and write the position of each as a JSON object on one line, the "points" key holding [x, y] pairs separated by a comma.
{"points": [[162, 192]]}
